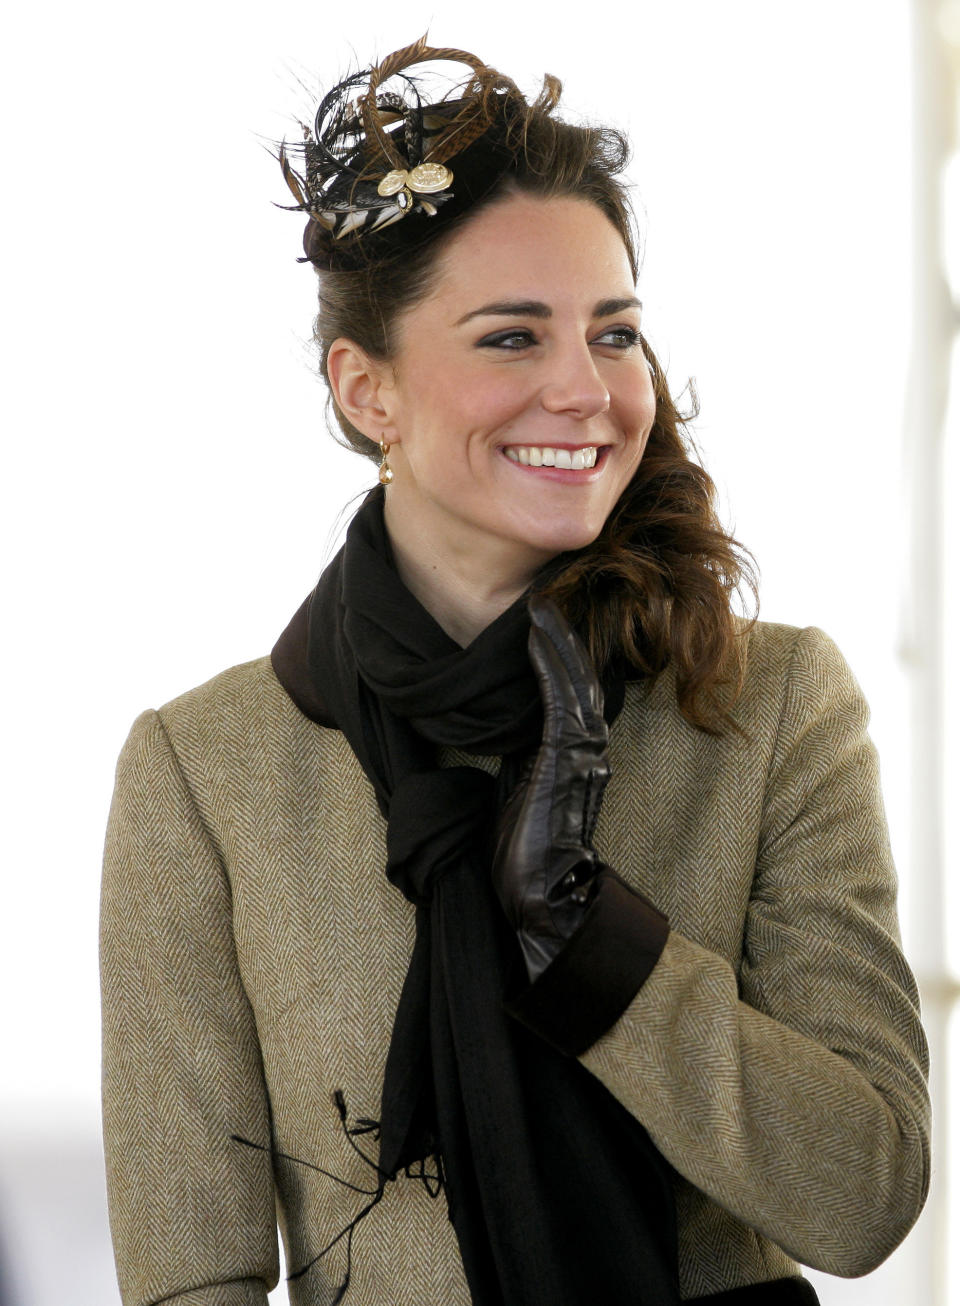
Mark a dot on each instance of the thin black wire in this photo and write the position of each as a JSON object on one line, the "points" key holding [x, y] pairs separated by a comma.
{"points": [[433, 1183]]}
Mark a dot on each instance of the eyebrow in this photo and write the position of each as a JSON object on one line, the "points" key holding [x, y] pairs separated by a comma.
{"points": [[536, 308]]}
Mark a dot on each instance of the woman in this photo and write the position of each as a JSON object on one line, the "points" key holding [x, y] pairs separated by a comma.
{"points": [[652, 1043]]}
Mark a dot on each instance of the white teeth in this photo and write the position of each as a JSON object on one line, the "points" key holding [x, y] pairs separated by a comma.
{"points": [[537, 456]]}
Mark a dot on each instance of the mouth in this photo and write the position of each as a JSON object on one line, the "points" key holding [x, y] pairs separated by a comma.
{"points": [[559, 458]]}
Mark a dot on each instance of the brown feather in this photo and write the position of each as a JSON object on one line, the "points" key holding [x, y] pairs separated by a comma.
{"points": [[291, 178]]}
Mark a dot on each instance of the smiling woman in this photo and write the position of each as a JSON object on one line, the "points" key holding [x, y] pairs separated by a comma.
{"points": [[550, 374], [387, 318], [653, 1045]]}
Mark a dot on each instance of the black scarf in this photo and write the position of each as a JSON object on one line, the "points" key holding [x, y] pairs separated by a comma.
{"points": [[556, 1193]]}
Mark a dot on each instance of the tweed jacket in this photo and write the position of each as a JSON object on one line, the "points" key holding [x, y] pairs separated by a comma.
{"points": [[253, 952]]}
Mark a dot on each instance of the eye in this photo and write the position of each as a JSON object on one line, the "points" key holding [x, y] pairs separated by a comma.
{"points": [[621, 337], [517, 340], [503, 341]]}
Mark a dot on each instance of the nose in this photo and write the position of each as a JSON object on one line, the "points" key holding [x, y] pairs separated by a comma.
{"points": [[574, 385]]}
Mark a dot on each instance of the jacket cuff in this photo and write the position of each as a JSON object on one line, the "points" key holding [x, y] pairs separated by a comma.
{"points": [[599, 971]]}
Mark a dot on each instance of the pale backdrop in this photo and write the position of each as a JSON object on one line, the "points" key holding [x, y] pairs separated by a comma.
{"points": [[172, 494]]}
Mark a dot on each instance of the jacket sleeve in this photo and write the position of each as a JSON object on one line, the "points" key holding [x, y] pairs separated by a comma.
{"points": [[192, 1213], [793, 1093]]}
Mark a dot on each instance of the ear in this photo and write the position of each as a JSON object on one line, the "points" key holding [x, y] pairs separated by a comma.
{"points": [[359, 384]]}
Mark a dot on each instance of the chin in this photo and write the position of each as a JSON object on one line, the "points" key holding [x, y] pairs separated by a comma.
{"points": [[564, 538]]}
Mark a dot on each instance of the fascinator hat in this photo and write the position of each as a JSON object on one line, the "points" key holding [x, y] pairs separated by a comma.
{"points": [[381, 170]]}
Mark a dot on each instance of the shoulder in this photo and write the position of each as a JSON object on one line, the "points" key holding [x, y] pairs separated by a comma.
{"points": [[777, 653], [222, 706], [803, 706], [798, 669], [231, 694], [238, 704], [791, 676], [797, 677], [232, 730]]}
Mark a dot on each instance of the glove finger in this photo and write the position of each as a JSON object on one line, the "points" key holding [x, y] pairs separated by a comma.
{"points": [[564, 725], [547, 618], [568, 680]]}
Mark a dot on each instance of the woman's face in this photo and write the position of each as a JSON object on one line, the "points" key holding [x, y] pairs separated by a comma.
{"points": [[520, 400]]}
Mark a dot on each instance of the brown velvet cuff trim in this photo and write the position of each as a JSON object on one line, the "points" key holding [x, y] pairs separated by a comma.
{"points": [[289, 660], [591, 982]]}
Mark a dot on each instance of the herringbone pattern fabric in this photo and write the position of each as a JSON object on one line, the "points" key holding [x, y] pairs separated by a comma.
{"points": [[253, 954]]}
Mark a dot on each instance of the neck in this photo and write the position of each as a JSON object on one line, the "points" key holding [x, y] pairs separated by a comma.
{"points": [[463, 585]]}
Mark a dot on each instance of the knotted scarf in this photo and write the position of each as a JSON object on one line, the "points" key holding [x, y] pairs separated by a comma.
{"points": [[556, 1193]]}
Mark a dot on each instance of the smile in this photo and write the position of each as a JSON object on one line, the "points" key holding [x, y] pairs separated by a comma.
{"points": [[546, 456]]}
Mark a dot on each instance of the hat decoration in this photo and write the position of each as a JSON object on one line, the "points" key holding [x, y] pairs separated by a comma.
{"points": [[374, 156]]}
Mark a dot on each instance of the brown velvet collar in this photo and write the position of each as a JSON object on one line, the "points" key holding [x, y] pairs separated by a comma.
{"points": [[290, 665]]}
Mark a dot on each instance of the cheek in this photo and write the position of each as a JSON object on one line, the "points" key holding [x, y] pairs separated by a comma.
{"points": [[458, 411], [437, 424], [478, 401], [637, 406], [641, 449]]}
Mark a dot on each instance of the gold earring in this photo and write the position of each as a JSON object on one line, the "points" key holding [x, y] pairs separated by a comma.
{"points": [[386, 471]]}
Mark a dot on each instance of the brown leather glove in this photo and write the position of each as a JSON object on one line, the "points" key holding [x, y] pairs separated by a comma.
{"points": [[544, 863]]}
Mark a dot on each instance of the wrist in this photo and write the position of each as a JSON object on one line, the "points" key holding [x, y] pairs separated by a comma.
{"points": [[544, 935], [591, 980]]}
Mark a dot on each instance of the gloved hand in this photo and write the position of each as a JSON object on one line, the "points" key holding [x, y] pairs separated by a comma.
{"points": [[544, 863]]}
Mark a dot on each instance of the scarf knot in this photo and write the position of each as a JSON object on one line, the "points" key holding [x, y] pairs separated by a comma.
{"points": [[434, 815]]}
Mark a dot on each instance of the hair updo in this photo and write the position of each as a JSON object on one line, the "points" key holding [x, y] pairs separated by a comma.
{"points": [[655, 588]]}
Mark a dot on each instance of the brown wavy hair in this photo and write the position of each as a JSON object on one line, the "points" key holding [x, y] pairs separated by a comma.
{"points": [[656, 588]]}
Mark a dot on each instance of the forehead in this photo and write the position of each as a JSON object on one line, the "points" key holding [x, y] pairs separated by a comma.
{"points": [[562, 250]]}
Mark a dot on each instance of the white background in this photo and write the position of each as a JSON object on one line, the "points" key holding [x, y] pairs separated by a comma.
{"points": [[171, 493]]}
